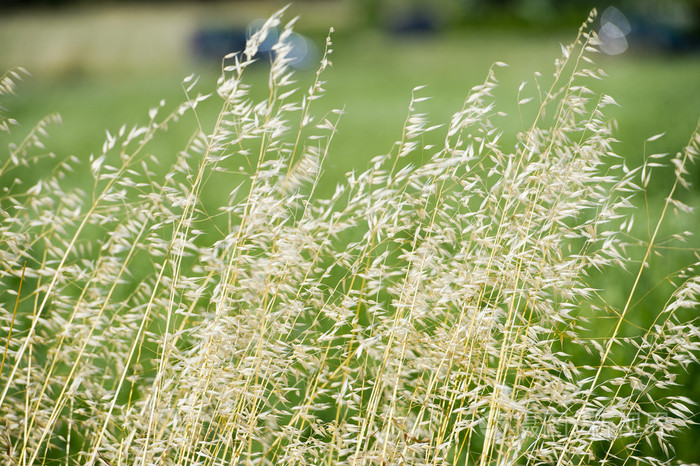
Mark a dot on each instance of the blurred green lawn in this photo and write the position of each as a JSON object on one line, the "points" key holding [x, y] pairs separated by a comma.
{"points": [[372, 77]]}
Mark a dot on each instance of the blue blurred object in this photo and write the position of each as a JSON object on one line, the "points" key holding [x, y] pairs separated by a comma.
{"points": [[215, 43], [649, 32], [418, 20], [650, 26]]}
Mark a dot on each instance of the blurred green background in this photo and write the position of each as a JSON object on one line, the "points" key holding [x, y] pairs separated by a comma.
{"points": [[101, 64]]}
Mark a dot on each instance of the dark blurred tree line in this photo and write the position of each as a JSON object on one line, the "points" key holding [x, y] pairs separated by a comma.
{"points": [[440, 14], [516, 13], [28, 4]]}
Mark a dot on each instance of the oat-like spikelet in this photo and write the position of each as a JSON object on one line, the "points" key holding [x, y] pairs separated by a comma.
{"points": [[436, 313]]}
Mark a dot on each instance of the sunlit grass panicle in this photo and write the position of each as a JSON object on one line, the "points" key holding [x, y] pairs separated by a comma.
{"points": [[440, 307]]}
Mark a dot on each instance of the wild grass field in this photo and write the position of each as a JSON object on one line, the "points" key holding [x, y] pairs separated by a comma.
{"points": [[371, 78], [246, 285]]}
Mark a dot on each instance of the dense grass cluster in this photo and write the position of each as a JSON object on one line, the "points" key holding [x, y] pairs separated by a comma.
{"points": [[219, 311]]}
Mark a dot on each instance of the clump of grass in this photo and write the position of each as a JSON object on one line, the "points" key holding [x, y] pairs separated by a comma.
{"points": [[428, 313]]}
